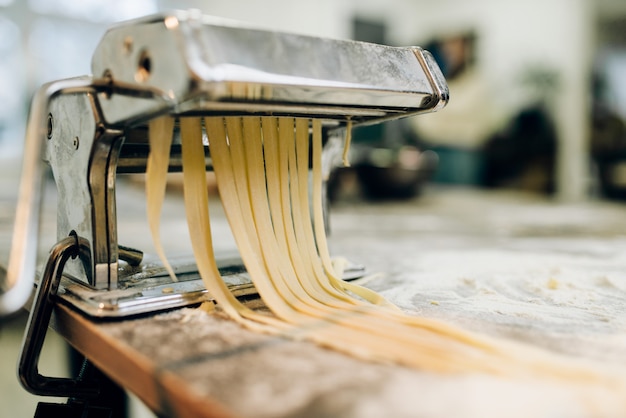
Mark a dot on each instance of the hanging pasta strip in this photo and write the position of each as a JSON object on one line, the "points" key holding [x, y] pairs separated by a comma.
{"points": [[273, 183], [251, 202], [269, 126], [347, 142], [325, 334], [291, 224], [197, 210], [274, 180], [234, 140], [160, 133], [280, 273], [318, 249], [301, 212], [296, 217], [320, 228], [238, 212]]}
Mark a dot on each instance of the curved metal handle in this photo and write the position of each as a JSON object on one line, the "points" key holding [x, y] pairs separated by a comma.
{"points": [[17, 286], [37, 326]]}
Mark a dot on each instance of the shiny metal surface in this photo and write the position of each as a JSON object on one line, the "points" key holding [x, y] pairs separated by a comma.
{"points": [[147, 287], [208, 65], [17, 286], [185, 64], [82, 153]]}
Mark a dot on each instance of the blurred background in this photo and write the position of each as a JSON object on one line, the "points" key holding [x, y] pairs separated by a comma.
{"points": [[538, 98], [538, 88]]}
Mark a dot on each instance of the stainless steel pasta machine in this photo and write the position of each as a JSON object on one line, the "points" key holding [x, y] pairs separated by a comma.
{"points": [[92, 128]]}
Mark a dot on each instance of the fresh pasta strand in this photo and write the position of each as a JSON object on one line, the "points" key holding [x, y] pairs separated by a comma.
{"points": [[320, 229], [197, 208], [285, 299], [160, 134], [347, 141]]}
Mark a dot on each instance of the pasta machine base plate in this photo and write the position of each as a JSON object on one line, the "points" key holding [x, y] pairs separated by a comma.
{"points": [[148, 288]]}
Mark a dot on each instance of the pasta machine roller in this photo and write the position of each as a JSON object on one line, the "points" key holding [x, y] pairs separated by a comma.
{"points": [[92, 128]]}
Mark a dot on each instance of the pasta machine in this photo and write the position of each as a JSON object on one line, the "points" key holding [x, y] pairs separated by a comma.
{"points": [[91, 129]]}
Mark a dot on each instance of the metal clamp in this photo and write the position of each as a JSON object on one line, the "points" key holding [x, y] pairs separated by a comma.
{"points": [[37, 326]]}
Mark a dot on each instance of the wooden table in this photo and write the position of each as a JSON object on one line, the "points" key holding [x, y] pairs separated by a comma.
{"points": [[505, 264]]}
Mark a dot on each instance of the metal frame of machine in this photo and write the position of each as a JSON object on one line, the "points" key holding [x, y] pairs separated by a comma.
{"points": [[90, 129]]}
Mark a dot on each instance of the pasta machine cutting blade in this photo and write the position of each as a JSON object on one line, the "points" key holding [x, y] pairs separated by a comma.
{"points": [[91, 129]]}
